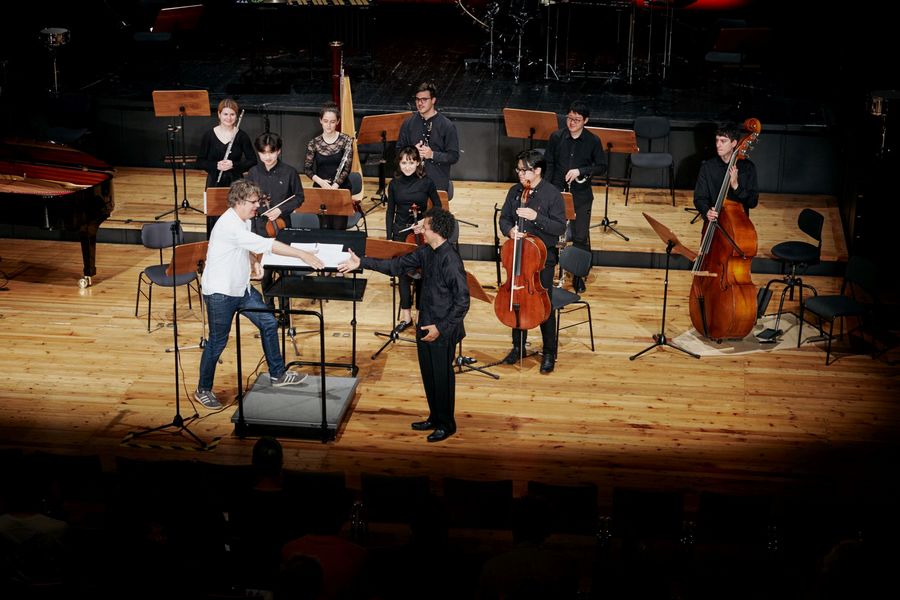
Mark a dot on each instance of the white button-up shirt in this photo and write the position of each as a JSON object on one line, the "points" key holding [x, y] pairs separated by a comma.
{"points": [[227, 269]]}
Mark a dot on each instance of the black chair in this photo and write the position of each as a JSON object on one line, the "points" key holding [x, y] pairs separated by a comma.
{"points": [[355, 188], [856, 299], [648, 514], [478, 504], [393, 499], [576, 261], [304, 220], [651, 129], [573, 508], [158, 236], [795, 256]]}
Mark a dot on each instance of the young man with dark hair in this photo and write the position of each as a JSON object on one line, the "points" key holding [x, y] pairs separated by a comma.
{"points": [[443, 307], [574, 155], [742, 184], [433, 135], [544, 217]]}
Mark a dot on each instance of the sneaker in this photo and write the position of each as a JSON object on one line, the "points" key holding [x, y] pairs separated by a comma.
{"points": [[207, 398], [288, 378]]}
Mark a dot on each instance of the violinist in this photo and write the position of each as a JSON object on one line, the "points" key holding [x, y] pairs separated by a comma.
{"points": [[742, 186], [277, 181], [574, 155], [433, 135], [445, 302], [214, 156], [410, 187], [545, 218]]}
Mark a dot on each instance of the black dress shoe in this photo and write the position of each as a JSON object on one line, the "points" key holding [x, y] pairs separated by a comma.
{"points": [[423, 425], [578, 285], [513, 356], [402, 325], [439, 435], [548, 363]]}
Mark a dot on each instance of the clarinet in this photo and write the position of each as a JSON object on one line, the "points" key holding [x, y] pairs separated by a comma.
{"points": [[343, 162], [237, 129]]}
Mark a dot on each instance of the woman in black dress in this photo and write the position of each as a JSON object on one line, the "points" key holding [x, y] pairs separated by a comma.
{"points": [[214, 147], [329, 157], [410, 187]]}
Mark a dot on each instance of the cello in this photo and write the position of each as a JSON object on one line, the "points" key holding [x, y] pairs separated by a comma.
{"points": [[522, 301], [723, 296]]}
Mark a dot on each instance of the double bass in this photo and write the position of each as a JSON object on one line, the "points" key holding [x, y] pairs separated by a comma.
{"points": [[723, 296], [522, 302]]}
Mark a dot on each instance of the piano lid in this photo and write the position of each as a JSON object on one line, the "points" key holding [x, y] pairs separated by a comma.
{"points": [[48, 153]]}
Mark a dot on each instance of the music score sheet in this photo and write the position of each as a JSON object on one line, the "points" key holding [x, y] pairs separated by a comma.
{"points": [[330, 254]]}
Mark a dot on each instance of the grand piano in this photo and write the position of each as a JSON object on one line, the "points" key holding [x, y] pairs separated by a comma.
{"points": [[52, 186]]}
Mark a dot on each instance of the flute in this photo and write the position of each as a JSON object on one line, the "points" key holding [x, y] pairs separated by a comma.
{"points": [[343, 161], [237, 129]]}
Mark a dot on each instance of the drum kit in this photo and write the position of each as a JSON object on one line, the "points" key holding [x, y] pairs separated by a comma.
{"points": [[55, 38], [506, 22]]}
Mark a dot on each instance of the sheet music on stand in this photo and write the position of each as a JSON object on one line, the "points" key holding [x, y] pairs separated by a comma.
{"points": [[330, 254]]}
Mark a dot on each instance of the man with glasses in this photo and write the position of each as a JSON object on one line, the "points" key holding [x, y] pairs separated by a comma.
{"points": [[433, 135], [574, 155], [231, 259], [544, 217]]}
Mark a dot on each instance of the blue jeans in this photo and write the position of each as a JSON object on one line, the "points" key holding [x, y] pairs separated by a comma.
{"points": [[220, 310]]}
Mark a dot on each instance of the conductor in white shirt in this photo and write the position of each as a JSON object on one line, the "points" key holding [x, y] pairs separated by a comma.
{"points": [[233, 256]]}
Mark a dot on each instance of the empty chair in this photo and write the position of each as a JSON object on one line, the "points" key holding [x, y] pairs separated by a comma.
{"points": [[304, 220], [393, 499], [158, 236], [355, 188], [648, 514], [577, 262], [656, 131], [796, 256], [855, 300]]}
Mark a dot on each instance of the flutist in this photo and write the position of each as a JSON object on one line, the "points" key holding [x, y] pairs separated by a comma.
{"points": [[216, 157]]}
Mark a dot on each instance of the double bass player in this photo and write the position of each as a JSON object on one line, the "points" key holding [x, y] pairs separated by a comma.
{"points": [[545, 218], [742, 186]]}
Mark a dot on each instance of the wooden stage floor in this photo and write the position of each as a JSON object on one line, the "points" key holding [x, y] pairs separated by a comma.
{"points": [[79, 372]]}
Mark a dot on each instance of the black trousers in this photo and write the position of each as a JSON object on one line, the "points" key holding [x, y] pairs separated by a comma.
{"points": [[583, 199], [548, 327], [439, 379]]}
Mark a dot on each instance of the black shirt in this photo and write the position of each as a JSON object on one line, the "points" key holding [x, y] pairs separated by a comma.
{"points": [[445, 291], [564, 152], [212, 150], [279, 183], [439, 134], [709, 182], [403, 192], [551, 213]]}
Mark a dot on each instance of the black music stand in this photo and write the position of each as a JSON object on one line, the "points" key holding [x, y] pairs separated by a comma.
{"points": [[463, 363], [530, 124], [385, 249], [672, 245], [326, 203], [181, 104], [384, 129], [195, 255], [564, 238], [621, 141]]}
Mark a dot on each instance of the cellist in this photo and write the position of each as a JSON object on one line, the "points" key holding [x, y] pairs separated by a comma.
{"points": [[545, 218], [742, 187]]}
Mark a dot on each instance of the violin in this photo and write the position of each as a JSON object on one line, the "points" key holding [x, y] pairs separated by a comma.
{"points": [[412, 237], [723, 296], [522, 301], [271, 227]]}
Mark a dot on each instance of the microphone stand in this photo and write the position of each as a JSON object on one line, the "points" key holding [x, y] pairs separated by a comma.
{"points": [[178, 422]]}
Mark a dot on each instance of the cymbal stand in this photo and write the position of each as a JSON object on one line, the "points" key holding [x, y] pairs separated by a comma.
{"points": [[660, 338]]}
